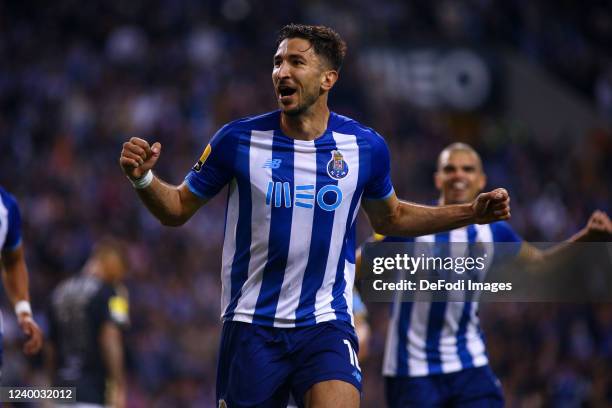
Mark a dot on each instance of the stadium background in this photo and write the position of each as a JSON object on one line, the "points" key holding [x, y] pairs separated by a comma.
{"points": [[529, 84]]}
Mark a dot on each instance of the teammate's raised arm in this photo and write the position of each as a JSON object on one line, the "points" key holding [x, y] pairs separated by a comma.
{"points": [[597, 229], [399, 218], [172, 205]]}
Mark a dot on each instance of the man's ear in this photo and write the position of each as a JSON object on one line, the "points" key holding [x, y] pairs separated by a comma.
{"points": [[328, 79]]}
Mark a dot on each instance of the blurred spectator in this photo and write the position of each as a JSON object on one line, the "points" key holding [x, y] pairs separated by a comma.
{"points": [[88, 312]]}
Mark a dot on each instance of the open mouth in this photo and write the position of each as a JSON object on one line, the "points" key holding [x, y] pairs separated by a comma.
{"points": [[285, 91], [459, 186]]}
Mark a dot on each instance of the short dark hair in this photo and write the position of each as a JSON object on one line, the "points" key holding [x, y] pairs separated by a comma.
{"points": [[459, 147], [110, 245], [326, 42]]}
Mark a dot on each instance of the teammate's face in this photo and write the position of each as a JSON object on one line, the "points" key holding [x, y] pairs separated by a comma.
{"points": [[459, 177], [299, 76]]}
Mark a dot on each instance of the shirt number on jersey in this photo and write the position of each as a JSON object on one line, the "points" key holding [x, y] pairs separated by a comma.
{"points": [[352, 354]]}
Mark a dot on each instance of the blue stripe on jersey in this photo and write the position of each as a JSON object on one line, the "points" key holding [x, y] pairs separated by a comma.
{"points": [[280, 233], [403, 323], [464, 354], [322, 225], [240, 264], [435, 323], [339, 303]]}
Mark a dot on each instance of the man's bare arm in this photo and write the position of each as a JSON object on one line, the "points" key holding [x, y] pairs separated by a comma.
{"points": [[16, 285], [171, 205], [598, 229], [399, 218], [15, 275], [112, 353]]}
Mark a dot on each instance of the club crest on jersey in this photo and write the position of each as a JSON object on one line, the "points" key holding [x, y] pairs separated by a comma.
{"points": [[337, 168], [198, 166]]}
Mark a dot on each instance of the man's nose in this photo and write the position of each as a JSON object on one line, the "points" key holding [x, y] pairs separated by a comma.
{"points": [[457, 175], [283, 70]]}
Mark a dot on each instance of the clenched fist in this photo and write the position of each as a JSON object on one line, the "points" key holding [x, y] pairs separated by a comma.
{"points": [[598, 228], [137, 157], [492, 206]]}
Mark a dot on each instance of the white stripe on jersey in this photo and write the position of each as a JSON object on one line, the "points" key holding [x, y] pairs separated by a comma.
{"points": [[454, 310], [347, 144], [304, 173], [229, 245], [475, 344], [4, 221], [416, 338], [260, 152], [349, 278], [417, 333]]}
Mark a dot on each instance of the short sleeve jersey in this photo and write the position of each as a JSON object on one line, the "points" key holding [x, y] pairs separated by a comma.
{"points": [[10, 222], [289, 244], [428, 338]]}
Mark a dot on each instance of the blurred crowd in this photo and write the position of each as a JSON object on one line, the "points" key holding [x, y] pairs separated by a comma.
{"points": [[77, 79]]}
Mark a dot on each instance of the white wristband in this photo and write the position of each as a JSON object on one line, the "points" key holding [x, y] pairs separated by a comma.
{"points": [[23, 306], [142, 182]]}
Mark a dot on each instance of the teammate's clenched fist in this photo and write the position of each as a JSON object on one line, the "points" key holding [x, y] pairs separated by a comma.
{"points": [[137, 157], [598, 228], [492, 206]]}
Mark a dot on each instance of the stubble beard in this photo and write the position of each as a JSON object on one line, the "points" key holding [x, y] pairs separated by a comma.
{"points": [[309, 100]]}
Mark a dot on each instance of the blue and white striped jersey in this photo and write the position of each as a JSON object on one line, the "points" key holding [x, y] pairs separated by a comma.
{"points": [[426, 338], [289, 245], [10, 222]]}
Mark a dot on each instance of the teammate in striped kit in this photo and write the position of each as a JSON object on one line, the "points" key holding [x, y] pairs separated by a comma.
{"points": [[296, 177], [435, 354], [15, 272]]}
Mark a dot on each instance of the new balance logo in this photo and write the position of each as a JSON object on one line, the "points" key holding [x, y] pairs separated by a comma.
{"points": [[272, 164]]}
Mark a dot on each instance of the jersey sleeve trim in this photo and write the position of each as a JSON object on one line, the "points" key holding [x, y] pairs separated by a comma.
{"points": [[383, 197], [194, 190]]}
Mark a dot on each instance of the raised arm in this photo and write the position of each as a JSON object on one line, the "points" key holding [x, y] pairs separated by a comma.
{"points": [[171, 205], [597, 229], [400, 218]]}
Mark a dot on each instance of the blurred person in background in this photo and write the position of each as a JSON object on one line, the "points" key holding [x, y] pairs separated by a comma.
{"points": [[88, 314], [15, 272], [296, 177], [435, 353]]}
